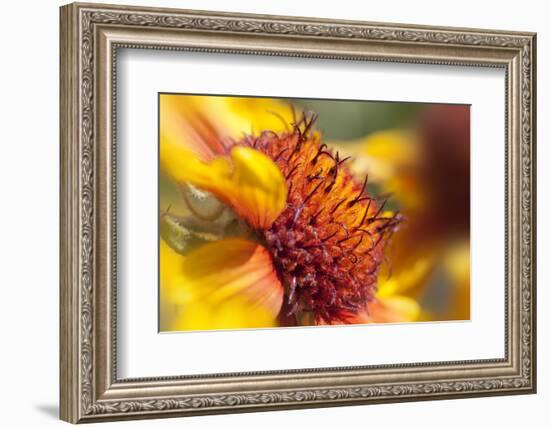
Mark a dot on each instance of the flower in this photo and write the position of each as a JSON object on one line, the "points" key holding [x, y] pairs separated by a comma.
{"points": [[277, 230]]}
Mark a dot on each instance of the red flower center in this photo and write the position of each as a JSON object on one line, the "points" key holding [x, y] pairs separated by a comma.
{"points": [[327, 245]]}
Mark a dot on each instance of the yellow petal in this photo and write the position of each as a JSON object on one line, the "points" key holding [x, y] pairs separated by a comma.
{"points": [[405, 277], [249, 181], [457, 263], [382, 154], [207, 124], [258, 190], [172, 288], [394, 309], [392, 146], [170, 268], [230, 283], [258, 114]]}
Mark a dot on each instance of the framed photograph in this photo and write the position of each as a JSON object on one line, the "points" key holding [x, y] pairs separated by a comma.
{"points": [[266, 212]]}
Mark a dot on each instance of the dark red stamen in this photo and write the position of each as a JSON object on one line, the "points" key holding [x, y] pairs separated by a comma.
{"points": [[327, 245]]}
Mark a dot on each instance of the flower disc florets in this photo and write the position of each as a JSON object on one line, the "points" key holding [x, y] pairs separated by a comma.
{"points": [[328, 243]]}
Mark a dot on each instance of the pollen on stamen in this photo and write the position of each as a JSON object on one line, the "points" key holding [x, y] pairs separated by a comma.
{"points": [[328, 243]]}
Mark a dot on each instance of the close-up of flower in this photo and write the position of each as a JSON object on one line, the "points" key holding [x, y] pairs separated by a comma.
{"points": [[265, 222]]}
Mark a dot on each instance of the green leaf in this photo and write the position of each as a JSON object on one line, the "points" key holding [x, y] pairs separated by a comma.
{"points": [[185, 234]]}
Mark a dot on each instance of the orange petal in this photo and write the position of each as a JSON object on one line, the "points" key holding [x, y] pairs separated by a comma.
{"points": [[394, 309], [183, 121], [234, 277]]}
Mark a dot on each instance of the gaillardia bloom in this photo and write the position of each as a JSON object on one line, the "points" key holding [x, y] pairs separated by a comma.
{"points": [[277, 231]]}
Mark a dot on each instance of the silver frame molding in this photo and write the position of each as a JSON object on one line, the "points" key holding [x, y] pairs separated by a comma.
{"points": [[90, 37]]}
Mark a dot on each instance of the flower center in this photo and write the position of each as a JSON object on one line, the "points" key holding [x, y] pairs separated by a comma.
{"points": [[327, 245]]}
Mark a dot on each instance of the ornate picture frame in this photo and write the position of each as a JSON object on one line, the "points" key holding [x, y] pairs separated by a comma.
{"points": [[90, 37]]}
